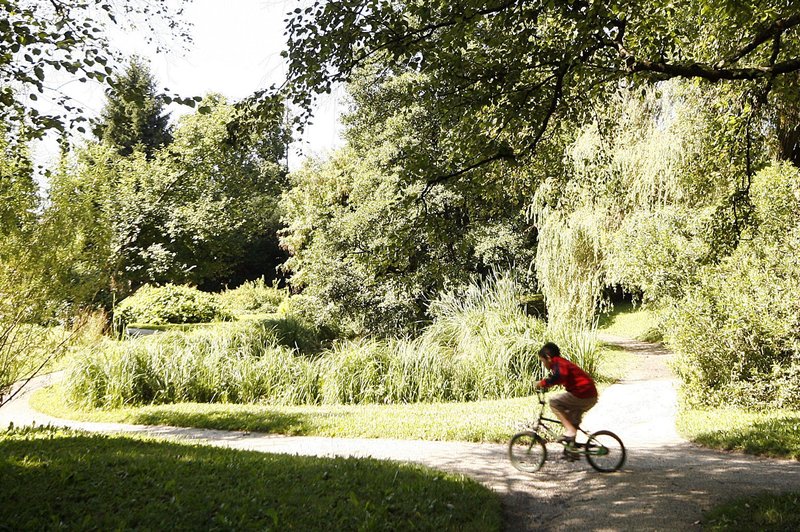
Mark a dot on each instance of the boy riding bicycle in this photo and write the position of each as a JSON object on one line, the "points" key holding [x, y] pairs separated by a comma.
{"points": [[580, 394]]}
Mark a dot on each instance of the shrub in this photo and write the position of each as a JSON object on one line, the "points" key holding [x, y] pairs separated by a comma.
{"points": [[731, 329], [169, 304], [737, 332], [312, 320], [297, 333], [253, 296]]}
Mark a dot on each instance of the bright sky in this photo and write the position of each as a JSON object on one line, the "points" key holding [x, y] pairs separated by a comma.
{"points": [[235, 51]]}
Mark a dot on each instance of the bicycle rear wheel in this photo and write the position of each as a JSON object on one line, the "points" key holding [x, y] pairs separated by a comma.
{"points": [[605, 451], [527, 451]]}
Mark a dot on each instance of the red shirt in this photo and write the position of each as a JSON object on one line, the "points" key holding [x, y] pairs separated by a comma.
{"points": [[573, 378]]}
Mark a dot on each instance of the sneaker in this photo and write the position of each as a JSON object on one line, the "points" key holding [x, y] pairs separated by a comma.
{"points": [[569, 456], [567, 440]]}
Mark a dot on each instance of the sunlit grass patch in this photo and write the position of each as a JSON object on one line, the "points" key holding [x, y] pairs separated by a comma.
{"points": [[614, 363], [59, 479], [773, 433], [628, 321], [479, 421]]}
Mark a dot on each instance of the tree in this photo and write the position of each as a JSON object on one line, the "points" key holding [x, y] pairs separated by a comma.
{"points": [[134, 114], [361, 238], [41, 43], [193, 213], [504, 73], [222, 213], [21, 280], [18, 190]]}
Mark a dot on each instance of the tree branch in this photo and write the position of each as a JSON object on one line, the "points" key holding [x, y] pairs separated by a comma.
{"points": [[710, 72], [500, 155], [769, 33]]}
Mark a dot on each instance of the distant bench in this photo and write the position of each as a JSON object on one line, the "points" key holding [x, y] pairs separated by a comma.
{"points": [[135, 332]]}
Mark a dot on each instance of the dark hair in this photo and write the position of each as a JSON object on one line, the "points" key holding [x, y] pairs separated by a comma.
{"points": [[549, 350]]}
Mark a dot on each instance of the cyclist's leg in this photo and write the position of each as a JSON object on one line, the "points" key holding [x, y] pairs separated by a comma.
{"points": [[579, 410], [569, 410]]}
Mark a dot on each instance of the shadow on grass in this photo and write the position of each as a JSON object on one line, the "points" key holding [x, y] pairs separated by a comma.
{"points": [[269, 421], [778, 437], [763, 513], [56, 479]]}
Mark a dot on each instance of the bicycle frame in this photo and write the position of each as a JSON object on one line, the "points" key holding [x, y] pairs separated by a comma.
{"points": [[542, 422], [550, 434]]}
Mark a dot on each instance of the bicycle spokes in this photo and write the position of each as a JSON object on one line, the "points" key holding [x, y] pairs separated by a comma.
{"points": [[605, 451]]}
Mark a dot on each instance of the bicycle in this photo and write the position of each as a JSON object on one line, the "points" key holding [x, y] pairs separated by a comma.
{"points": [[527, 449]]}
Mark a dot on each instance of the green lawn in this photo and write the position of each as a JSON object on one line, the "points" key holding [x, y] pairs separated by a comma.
{"points": [[775, 433], [481, 421], [628, 321], [614, 363], [765, 513], [54, 479]]}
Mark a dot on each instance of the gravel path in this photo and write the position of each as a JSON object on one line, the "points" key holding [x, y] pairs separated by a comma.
{"points": [[666, 484]]}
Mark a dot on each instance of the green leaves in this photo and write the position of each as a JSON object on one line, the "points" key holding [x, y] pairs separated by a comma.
{"points": [[169, 304], [38, 39], [200, 210]]}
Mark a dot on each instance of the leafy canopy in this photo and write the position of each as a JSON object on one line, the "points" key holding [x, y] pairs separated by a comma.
{"points": [[504, 71]]}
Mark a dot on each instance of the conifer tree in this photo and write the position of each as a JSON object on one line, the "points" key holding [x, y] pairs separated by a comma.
{"points": [[134, 114]]}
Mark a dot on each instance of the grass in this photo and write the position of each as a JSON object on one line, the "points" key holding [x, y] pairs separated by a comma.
{"points": [[614, 363], [60, 479], [480, 421], [775, 433], [628, 321], [768, 512]]}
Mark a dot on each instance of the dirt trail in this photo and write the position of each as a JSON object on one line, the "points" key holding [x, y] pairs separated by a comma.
{"points": [[666, 484]]}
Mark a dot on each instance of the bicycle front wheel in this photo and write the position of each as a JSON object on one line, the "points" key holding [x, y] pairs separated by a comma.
{"points": [[605, 451], [527, 452]]}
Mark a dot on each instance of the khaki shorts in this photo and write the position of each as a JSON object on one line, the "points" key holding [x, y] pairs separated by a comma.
{"points": [[572, 407]]}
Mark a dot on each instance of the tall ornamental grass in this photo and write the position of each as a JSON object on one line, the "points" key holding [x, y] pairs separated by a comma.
{"points": [[240, 363], [480, 345]]}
